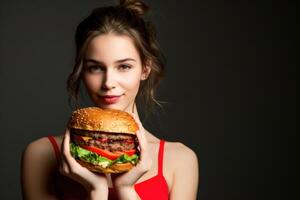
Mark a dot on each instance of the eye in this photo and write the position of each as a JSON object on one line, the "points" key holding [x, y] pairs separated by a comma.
{"points": [[95, 68], [125, 67]]}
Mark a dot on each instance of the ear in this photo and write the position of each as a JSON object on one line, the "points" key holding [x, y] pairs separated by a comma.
{"points": [[145, 73]]}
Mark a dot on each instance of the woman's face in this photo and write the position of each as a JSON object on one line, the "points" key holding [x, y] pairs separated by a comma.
{"points": [[112, 71]]}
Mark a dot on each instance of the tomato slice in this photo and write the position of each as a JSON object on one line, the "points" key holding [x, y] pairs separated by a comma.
{"points": [[101, 152], [128, 152], [108, 154]]}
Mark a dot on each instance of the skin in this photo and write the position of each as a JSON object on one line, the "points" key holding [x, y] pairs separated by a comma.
{"points": [[103, 75]]}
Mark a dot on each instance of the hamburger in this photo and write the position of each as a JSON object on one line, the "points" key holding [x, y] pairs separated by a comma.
{"points": [[104, 140]]}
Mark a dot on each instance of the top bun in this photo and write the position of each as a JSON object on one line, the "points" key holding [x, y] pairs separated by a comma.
{"points": [[106, 120]]}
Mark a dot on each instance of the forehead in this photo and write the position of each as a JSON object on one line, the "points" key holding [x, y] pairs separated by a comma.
{"points": [[110, 47]]}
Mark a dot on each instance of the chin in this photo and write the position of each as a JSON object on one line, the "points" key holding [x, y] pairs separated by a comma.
{"points": [[112, 106], [116, 106]]}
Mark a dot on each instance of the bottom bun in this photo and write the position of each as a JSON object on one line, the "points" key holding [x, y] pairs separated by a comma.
{"points": [[114, 169]]}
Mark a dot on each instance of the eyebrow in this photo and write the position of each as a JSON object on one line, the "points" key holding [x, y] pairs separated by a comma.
{"points": [[99, 62]]}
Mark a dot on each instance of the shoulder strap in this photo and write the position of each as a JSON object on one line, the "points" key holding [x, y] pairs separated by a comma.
{"points": [[161, 157], [55, 147]]}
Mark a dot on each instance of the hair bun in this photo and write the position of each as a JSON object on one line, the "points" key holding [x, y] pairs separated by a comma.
{"points": [[137, 6]]}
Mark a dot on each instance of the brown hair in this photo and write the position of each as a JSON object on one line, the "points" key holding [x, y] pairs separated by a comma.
{"points": [[124, 19]]}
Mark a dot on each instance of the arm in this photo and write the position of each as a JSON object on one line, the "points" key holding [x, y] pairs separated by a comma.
{"points": [[186, 174], [38, 168], [127, 194], [38, 162]]}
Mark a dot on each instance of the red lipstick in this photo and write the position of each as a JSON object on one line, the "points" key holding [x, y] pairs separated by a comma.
{"points": [[110, 99]]}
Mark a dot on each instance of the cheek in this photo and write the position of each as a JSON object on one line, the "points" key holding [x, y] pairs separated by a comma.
{"points": [[91, 82], [131, 83]]}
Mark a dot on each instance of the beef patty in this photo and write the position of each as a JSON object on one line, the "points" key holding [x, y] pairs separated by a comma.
{"points": [[105, 140]]}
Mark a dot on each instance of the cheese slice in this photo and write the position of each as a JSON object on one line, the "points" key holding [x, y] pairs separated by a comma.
{"points": [[86, 138]]}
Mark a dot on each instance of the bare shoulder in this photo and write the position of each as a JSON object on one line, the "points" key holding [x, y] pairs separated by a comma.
{"points": [[181, 152], [179, 156], [38, 147], [38, 166], [41, 149], [39, 152], [38, 142]]}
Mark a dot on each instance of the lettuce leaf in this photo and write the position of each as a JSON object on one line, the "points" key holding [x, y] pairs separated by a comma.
{"points": [[125, 158], [91, 157]]}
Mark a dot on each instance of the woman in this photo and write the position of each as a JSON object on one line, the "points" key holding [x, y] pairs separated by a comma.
{"points": [[120, 64]]}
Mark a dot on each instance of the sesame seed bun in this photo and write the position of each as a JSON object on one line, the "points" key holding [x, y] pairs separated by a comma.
{"points": [[106, 120]]}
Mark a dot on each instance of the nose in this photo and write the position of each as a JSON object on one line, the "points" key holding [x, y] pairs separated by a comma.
{"points": [[108, 82]]}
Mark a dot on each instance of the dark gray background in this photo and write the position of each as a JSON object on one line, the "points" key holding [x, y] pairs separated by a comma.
{"points": [[230, 87]]}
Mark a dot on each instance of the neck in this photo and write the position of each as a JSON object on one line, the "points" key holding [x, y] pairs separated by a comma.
{"points": [[133, 109]]}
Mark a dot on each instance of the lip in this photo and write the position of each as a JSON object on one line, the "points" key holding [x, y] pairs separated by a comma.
{"points": [[110, 99]]}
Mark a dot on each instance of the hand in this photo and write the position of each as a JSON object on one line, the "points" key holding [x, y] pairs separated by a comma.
{"points": [[128, 179], [72, 169]]}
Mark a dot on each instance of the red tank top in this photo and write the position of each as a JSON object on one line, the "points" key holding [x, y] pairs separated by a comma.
{"points": [[154, 188]]}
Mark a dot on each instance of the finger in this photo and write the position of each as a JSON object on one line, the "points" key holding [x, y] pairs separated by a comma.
{"points": [[68, 158], [130, 177], [65, 165], [140, 135], [66, 141], [142, 143]]}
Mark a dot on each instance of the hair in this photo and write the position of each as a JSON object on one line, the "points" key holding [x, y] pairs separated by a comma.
{"points": [[123, 19]]}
